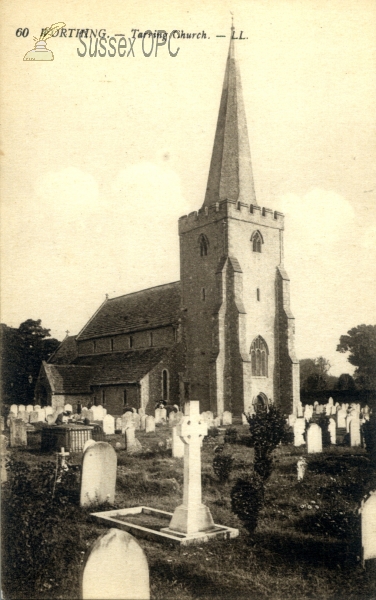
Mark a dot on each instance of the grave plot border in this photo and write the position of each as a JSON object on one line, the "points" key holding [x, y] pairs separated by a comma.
{"points": [[108, 518]]}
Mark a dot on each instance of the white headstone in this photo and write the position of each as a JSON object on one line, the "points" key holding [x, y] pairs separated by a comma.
{"points": [[118, 424], [177, 444], [143, 422], [126, 419], [41, 414], [14, 409], [87, 444], [24, 416], [49, 410], [50, 419], [218, 421], [192, 516], [314, 439], [349, 418], [341, 418], [141, 411], [21, 408], [68, 408], [299, 429], [89, 415], [33, 418], [172, 419], [227, 418], [332, 428], [97, 413], [29, 408], [160, 415], [133, 445], [98, 475], [292, 419], [355, 432], [150, 424], [115, 569], [368, 526], [244, 419], [136, 421], [109, 425], [301, 467]]}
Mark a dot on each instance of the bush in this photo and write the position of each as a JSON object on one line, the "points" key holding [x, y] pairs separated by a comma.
{"points": [[231, 435], [323, 422], [247, 499], [213, 432], [369, 434], [40, 539], [222, 466], [267, 429]]}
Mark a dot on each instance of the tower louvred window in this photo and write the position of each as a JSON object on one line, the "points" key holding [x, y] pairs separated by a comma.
{"points": [[257, 241], [259, 357], [204, 245]]}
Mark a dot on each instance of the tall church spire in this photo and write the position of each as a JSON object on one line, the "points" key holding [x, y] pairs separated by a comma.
{"points": [[230, 175]]}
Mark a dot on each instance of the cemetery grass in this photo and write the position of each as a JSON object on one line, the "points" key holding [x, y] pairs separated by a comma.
{"points": [[306, 545]]}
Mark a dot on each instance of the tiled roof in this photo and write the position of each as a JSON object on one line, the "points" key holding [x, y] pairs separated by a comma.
{"points": [[122, 367], [65, 353], [154, 307], [68, 379]]}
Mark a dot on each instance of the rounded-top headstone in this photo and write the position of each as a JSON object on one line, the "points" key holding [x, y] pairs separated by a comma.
{"points": [[88, 444], [98, 475], [115, 569]]}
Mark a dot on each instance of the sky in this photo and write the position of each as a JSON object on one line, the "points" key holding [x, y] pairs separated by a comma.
{"points": [[102, 155]]}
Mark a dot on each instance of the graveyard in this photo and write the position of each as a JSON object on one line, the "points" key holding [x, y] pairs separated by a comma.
{"points": [[307, 543]]}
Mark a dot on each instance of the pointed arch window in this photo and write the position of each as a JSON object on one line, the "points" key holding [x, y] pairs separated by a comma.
{"points": [[259, 357], [204, 245], [257, 241]]}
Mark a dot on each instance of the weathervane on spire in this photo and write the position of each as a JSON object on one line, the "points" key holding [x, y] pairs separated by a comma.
{"points": [[232, 21]]}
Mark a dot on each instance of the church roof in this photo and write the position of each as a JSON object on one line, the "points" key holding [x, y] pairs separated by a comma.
{"points": [[68, 379], [66, 352], [147, 309], [122, 367], [230, 174]]}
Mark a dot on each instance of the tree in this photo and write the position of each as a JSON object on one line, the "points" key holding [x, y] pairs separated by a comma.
{"points": [[267, 429], [360, 342], [22, 353], [346, 382], [314, 374]]}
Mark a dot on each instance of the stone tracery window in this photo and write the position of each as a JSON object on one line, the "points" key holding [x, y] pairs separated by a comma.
{"points": [[259, 357]]}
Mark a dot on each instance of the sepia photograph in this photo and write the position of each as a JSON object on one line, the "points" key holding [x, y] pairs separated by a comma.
{"points": [[188, 314]]}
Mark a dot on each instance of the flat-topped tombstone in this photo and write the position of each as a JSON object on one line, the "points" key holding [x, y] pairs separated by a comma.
{"points": [[109, 425], [299, 429], [332, 428], [18, 435], [98, 475], [115, 569], [150, 424], [192, 516], [177, 444], [368, 526], [341, 417], [314, 439], [355, 438]]}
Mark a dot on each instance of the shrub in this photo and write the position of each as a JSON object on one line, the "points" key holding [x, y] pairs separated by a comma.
{"points": [[247, 499], [369, 434], [231, 435], [222, 466], [267, 429], [40, 538], [213, 432]]}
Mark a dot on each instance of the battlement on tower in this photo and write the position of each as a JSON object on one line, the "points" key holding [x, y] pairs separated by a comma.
{"points": [[234, 210]]}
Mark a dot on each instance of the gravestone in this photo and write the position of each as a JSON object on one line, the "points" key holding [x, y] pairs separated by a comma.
{"points": [[2, 422], [88, 444], [301, 467], [41, 414], [50, 419], [143, 422], [98, 475], [160, 415], [178, 416], [227, 418], [10, 417], [133, 445], [217, 421], [118, 424], [109, 425], [37, 406], [141, 411], [115, 569], [244, 419], [89, 415], [136, 421], [29, 408], [349, 418], [172, 419], [177, 444], [368, 527], [299, 429], [341, 418], [14, 409], [332, 428], [192, 516], [18, 435], [150, 424], [33, 418], [68, 408], [126, 420], [291, 420], [21, 408], [355, 432], [49, 411], [24, 416], [314, 439]]}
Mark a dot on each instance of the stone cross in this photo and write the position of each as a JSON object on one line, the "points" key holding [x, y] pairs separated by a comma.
{"points": [[62, 454], [192, 516]]}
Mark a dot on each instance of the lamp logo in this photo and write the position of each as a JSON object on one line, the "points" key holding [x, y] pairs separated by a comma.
{"points": [[41, 52]]}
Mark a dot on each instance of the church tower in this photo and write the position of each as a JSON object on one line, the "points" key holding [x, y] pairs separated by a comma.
{"points": [[238, 329]]}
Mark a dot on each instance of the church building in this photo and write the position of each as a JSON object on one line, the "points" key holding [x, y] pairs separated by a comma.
{"points": [[224, 334]]}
